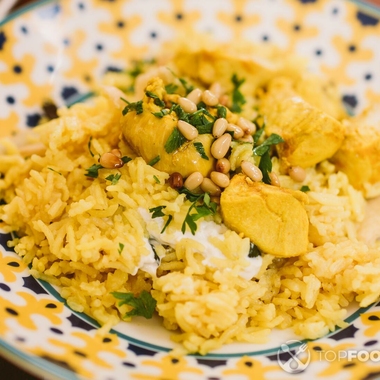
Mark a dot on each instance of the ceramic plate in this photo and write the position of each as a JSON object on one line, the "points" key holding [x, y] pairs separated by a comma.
{"points": [[58, 49]]}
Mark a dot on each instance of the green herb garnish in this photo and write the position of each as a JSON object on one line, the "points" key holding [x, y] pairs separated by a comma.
{"points": [[136, 106], [55, 171], [92, 171], [154, 161], [273, 139], [265, 166], [143, 305], [254, 251], [201, 150], [121, 247], [126, 159], [305, 188], [170, 217], [157, 211], [156, 257], [258, 134], [202, 120], [89, 146], [238, 99], [161, 113], [188, 87], [203, 207], [157, 101], [221, 111], [114, 178], [174, 141], [156, 179], [171, 88], [181, 114]]}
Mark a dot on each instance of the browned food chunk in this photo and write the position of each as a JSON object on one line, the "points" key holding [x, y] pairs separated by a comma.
{"points": [[273, 218], [147, 134], [310, 135], [359, 155]]}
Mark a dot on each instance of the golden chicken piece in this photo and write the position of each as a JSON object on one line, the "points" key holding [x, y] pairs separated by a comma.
{"points": [[359, 155], [310, 135], [256, 66], [147, 134], [273, 218]]}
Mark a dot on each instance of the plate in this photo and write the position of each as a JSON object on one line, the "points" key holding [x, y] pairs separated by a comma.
{"points": [[59, 49]]}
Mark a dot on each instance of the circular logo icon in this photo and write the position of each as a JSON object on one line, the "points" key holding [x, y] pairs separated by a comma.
{"points": [[296, 360]]}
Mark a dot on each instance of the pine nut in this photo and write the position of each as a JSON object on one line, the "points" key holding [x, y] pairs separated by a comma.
{"points": [[187, 105], [220, 146], [223, 165], [296, 173], [210, 187], [220, 179], [274, 180], [238, 132], [116, 152], [195, 95], [216, 89], [209, 98], [246, 125], [175, 180], [187, 130], [224, 100], [110, 161], [193, 181], [252, 171], [246, 138], [220, 126]]}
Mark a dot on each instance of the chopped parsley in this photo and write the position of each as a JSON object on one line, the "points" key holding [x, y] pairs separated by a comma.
{"points": [[121, 247], [202, 120], [143, 305], [89, 146], [265, 166], [305, 188], [201, 150], [170, 217], [157, 211], [171, 88], [157, 101], [126, 159], [156, 257], [136, 106], [154, 161], [221, 111], [262, 150], [254, 251], [93, 171], [188, 87], [181, 114], [156, 179], [55, 171], [202, 205], [273, 139], [258, 134], [161, 113], [114, 178], [174, 141], [238, 99]]}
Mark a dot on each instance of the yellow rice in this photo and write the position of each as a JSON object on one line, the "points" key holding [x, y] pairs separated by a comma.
{"points": [[70, 228]]}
